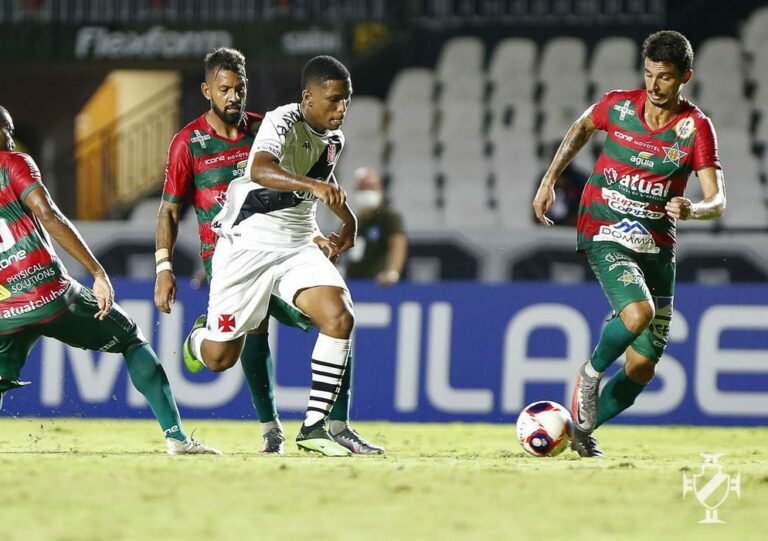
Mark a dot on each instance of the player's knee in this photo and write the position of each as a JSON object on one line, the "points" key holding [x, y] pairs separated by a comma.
{"points": [[638, 315], [640, 370], [340, 324], [220, 363]]}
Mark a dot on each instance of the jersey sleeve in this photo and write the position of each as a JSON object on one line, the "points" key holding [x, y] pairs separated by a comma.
{"points": [[705, 146], [271, 136], [179, 172], [600, 110], [25, 176]]}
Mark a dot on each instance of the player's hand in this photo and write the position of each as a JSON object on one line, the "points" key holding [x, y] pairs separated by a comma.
{"points": [[388, 278], [105, 295], [330, 194], [542, 202], [345, 239], [679, 208], [165, 291], [327, 247]]}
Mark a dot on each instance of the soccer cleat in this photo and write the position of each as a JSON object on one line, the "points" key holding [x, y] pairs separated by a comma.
{"points": [[585, 444], [353, 441], [192, 363], [189, 447], [316, 438], [8, 384], [584, 400], [274, 442]]}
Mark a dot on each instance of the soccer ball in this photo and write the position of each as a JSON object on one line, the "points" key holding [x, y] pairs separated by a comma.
{"points": [[544, 428]]}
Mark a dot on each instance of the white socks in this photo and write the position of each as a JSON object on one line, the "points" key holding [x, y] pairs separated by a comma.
{"points": [[329, 359]]}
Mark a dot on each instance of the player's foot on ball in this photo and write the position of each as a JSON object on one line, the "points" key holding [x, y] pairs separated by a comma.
{"points": [[274, 442], [189, 447], [584, 400], [353, 441], [585, 444], [316, 438], [192, 363]]}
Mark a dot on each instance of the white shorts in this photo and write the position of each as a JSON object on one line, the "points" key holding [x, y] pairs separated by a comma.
{"points": [[243, 280]]}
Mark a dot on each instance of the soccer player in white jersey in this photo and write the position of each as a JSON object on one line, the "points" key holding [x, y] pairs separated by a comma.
{"points": [[266, 230]]}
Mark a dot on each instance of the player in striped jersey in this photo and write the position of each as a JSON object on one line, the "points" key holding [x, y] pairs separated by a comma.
{"points": [[204, 158], [38, 297], [627, 217]]}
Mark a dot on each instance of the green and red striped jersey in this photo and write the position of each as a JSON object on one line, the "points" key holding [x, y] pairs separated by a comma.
{"points": [[639, 170], [33, 282], [201, 164]]}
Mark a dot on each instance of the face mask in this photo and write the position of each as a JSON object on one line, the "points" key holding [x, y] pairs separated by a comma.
{"points": [[368, 199]]}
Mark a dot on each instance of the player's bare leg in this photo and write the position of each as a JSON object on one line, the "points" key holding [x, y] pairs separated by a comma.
{"points": [[217, 356]]}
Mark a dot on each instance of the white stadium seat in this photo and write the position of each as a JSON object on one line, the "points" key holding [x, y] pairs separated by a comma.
{"points": [[614, 66], [512, 72]]}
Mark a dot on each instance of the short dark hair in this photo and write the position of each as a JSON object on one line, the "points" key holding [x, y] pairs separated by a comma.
{"points": [[225, 58], [669, 46], [321, 69]]}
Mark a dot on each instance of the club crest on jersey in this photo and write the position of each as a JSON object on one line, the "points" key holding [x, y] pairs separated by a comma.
{"points": [[625, 109], [226, 322], [673, 154], [200, 138], [331, 154], [685, 128], [630, 234], [628, 277]]}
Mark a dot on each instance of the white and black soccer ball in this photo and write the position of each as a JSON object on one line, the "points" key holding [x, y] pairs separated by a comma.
{"points": [[544, 428]]}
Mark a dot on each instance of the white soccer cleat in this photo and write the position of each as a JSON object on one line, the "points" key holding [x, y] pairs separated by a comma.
{"points": [[189, 447]]}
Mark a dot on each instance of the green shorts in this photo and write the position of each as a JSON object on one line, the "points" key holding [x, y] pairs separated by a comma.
{"points": [[278, 308], [628, 277], [76, 327]]}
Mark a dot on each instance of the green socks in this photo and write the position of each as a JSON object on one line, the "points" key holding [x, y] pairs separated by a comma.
{"points": [[256, 360], [149, 378], [340, 409], [614, 341], [618, 394]]}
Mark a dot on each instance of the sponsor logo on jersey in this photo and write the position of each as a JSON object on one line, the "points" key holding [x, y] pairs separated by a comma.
{"points": [[636, 184], [14, 311], [616, 201], [13, 258], [685, 128], [628, 277], [4, 293], [610, 174], [643, 158], [331, 154], [625, 109], [29, 278], [623, 136], [630, 234], [673, 154]]}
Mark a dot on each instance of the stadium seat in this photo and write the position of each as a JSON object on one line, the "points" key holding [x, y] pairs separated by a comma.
{"points": [[460, 56], [758, 75], [146, 210], [411, 86], [466, 193], [746, 196], [614, 66], [461, 120], [365, 117], [562, 72], [512, 72], [754, 31], [413, 191]]}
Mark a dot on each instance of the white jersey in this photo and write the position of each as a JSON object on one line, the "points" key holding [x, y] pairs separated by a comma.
{"points": [[271, 219]]}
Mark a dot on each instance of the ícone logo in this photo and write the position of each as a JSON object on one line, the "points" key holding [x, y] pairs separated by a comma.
{"points": [[711, 487]]}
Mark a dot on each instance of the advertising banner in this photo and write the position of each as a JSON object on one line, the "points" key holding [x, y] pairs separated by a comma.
{"points": [[437, 353]]}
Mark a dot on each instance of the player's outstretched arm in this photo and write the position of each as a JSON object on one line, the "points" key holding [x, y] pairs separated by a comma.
{"points": [[266, 170], [63, 232], [166, 233], [711, 207], [575, 139]]}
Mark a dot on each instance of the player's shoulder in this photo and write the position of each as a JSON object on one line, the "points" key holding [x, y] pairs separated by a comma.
{"points": [[286, 115], [185, 133], [616, 95], [18, 159], [692, 110]]}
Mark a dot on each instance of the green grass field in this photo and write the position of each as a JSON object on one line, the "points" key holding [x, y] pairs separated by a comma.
{"points": [[75, 480]]}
